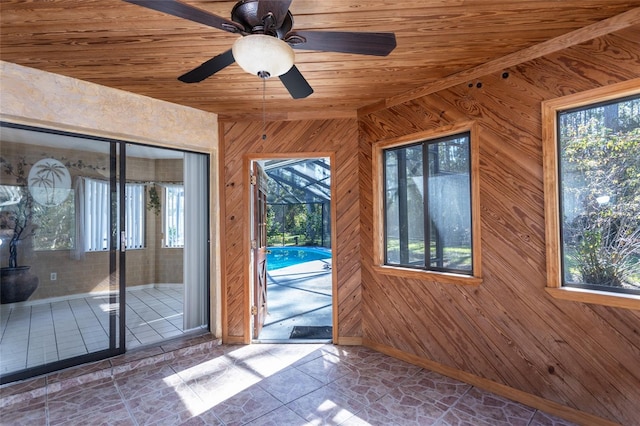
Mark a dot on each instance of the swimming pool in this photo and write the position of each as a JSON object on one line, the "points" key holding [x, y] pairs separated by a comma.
{"points": [[281, 257]]}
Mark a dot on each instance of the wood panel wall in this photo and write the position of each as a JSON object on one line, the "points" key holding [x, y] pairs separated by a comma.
{"points": [[240, 139], [508, 330]]}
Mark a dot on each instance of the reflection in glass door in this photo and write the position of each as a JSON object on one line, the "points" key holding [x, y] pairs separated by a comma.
{"points": [[76, 240], [166, 210], [59, 252]]}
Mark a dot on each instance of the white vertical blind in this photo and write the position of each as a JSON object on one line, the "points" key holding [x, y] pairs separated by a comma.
{"points": [[174, 216], [97, 210], [80, 203], [134, 215], [196, 240]]}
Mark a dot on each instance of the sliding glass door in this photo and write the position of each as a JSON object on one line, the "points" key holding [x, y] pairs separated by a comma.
{"points": [[59, 219], [103, 248], [167, 244]]}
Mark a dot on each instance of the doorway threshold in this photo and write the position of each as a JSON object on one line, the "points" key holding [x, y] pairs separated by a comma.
{"points": [[292, 341]]}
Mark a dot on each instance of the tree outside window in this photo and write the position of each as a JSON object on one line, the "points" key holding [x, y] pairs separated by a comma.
{"points": [[599, 160]]}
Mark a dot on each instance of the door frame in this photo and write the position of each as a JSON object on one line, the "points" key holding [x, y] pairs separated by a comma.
{"points": [[247, 168], [259, 246]]}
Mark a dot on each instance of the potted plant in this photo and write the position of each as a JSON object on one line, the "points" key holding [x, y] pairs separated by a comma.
{"points": [[16, 225]]}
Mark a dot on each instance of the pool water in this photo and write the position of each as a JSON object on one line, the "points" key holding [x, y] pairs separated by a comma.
{"points": [[281, 257]]}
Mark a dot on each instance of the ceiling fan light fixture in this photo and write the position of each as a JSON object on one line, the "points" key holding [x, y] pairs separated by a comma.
{"points": [[263, 55]]}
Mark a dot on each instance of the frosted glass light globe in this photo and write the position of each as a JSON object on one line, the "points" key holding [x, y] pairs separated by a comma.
{"points": [[263, 55]]}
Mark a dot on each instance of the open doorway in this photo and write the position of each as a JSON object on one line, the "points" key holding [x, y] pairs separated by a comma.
{"points": [[292, 251]]}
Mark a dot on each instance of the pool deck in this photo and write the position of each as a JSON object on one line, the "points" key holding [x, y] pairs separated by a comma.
{"points": [[297, 295]]}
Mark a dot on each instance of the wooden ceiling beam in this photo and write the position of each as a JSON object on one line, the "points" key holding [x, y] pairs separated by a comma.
{"points": [[581, 35]]}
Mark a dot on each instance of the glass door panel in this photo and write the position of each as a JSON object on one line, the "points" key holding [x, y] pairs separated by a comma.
{"points": [[76, 239], [59, 208], [166, 211]]}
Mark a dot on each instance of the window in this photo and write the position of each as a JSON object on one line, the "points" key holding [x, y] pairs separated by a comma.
{"points": [[592, 192], [427, 206], [97, 210], [134, 215], [174, 216], [55, 229], [52, 225], [599, 178]]}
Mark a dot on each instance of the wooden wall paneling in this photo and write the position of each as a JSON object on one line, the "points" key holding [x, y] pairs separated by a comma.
{"points": [[451, 319], [497, 203], [521, 249], [222, 241], [626, 36], [243, 140], [440, 326], [368, 250], [348, 229], [618, 326], [234, 223], [507, 338], [562, 364], [618, 48], [388, 315], [509, 330]]}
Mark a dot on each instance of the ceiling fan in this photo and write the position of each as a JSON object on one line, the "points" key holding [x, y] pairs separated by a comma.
{"points": [[265, 47]]}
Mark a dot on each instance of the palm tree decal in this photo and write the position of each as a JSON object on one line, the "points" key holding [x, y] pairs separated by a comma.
{"points": [[48, 177], [49, 173]]}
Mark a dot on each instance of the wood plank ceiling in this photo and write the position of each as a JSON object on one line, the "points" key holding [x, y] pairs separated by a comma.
{"points": [[128, 47]]}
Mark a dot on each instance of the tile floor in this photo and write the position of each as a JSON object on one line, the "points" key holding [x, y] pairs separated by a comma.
{"points": [[204, 383], [36, 334]]}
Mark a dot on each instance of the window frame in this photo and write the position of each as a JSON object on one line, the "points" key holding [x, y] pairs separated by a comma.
{"points": [[552, 208], [379, 220]]}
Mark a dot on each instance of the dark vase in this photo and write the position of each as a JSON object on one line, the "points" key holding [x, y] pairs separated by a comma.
{"points": [[17, 284]]}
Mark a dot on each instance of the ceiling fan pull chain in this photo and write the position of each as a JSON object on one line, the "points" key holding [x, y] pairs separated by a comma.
{"points": [[264, 120]]}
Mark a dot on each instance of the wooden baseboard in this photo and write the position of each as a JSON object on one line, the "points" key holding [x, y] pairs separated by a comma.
{"points": [[348, 341], [534, 401], [234, 340]]}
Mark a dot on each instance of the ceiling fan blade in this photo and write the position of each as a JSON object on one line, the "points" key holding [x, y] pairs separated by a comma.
{"points": [[296, 84], [377, 44], [208, 68], [191, 13], [279, 8]]}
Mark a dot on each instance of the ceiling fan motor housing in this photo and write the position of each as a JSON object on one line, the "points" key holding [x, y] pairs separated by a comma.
{"points": [[247, 14]]}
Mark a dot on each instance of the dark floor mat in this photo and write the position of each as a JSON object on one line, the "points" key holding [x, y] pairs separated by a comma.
{"points": [[311, 332]]}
